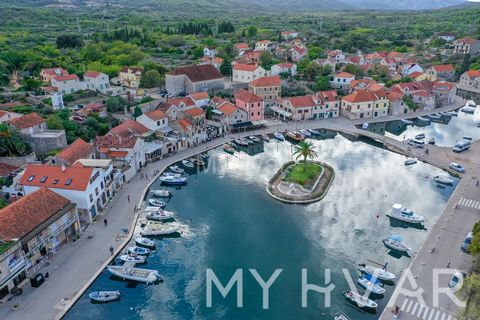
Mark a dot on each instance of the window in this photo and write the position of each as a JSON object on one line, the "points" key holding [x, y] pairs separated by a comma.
{"points": [[30, 179], [68, 182], [55, 181], [101, 185], [90, 196], [43, 179], [96, 191]]}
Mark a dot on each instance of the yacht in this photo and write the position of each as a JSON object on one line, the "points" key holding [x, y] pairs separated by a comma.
{"points": [[129, 272], [279, 136], [371, 283], [173, 181], [380, 273], [104, 296], [162, 193], [159, 229], [159, 215], [157, 203], [188, 163], [443, 179], [394, 242], [404, 214]]}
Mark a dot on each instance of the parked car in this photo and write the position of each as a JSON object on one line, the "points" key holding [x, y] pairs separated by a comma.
{"points": [[78, 107], [416, 143], [467, 242], [457, 167], [457, 280]]}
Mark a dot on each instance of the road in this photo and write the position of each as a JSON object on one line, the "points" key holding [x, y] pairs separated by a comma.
{"points": [[78, 263]]}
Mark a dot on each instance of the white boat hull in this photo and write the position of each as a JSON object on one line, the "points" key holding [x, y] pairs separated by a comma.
{"points": [[137, 259], [136, 274], [369, 286], [159, 215], [360, 301], [379, 273]]}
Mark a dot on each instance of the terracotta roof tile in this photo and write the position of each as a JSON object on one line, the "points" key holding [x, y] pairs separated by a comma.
{"points": [[115, 140], [131, 69], [245, 67], [302, 101], [473, 73], [194, 112], [273, 81], [79, 149], [23, 216], [129, 127], [247, 96], [360, 96], [228, 108], [184, 125], [156, 115], [71, 179], [27, 121], [329, 95], [54, 71], [344, 75], [6, 169], [199, 95], [444, 68], [67, 77], [92, 74], [197, 73]]}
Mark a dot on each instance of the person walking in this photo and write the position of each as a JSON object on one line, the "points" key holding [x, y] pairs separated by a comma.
{"points": [[105, 222], [111, 250], [128, 198]]}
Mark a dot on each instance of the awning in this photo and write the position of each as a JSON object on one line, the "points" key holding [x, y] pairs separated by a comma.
{"points": [[151, 147], [242, 124], [217, 112], [259, 122], [165, 129], [281, 112]]}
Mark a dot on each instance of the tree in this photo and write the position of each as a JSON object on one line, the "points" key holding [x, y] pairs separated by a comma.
{"points": [[305, 150], [355, 70], [323, 84], [115, 104], [69, 41], [137, 112], [151, 79], [266, 60], [54, 123], [252, 32], [226, 67], [11, 144]]}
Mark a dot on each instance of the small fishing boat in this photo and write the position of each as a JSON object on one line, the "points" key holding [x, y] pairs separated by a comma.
{"points": [[173, 181], [431, 141], [468, 110], [129, 272], [340, 316], [159, 229], [171, 174], [188, 164], [204, 156], [453, 113], [360, 300], [380, 273], [370, 283], [410, 161], [470, 138], [404, 214], [470, 103], [151, 209], [240, 142], [162, 193], [197, 161], [159, 215], [104, 296], [254, 139], [394, 242], [248, 141], [407, 122], [443, 179], [133, 258], [306, 133], [265, 138], [423, 119], [138, 250], [314, 132], [157, 203], [295, 136], [420, 136], [279, 136], [228, 148], [177, 169], [145, 242], [434, 116]]}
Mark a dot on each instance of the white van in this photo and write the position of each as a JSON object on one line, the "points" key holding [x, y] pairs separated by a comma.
{"points": [[462, 146], [416, 143]]}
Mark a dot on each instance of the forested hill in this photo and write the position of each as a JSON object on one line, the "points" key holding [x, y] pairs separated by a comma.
{"points": [[244, 5]]}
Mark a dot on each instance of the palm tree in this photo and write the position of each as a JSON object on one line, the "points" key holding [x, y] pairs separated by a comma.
{"points": [[11, 144], [305, 150]]}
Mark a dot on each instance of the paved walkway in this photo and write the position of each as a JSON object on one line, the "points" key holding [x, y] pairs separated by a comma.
{"points": [[78, 263]]}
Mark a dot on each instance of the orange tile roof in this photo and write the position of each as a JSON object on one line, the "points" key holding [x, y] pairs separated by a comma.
{"points": [[117, 154], [444, 68], [184, 125], [71, 179], [241, 46], [245, 67], [394, 95], [194, 112], [264, 41], [302, 101], [443, 85], [473, 73], [92, 74], [129, 127], [113, 140], [79, 149], [415, 74], [156, 115], [286, 65], [199, 95], [186, 100], [247, 96], [198, 73], [27, 121], [273, 81], [23, 216], [6, 169], [66, 77], [53, 71], [344, 75], [227, 108], [329, 95], [360, 96]]}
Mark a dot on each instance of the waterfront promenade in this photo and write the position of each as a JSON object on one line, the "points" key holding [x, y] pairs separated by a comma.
{"points": [[78, 264]]}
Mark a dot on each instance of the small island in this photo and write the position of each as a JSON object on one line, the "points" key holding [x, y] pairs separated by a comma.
{"points": [[302, 181]]}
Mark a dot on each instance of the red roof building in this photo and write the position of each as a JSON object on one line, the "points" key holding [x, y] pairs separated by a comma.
{"points": [[27, 121], [79, 149]]}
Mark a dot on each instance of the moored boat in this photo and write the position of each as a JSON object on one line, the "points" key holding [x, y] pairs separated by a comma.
{"points": [[138, 250], [129, 272], [177, 169], [305, 133], [279, 136], [410, 161], [423, 119], [159, 229], [453, 113], [151, 209], [340, 316], [104, 296], [434, 116], [265, 138], [443, 179], [228, 148], [360, 300], [314, 132], [295, 136], [162, 193], [188, 164], [173, 181], [157, 203], [159, 215], [404, 214], [197, 162], [431, 141], [420, 136], [133, 258], [145, 242], [254, 138], [380, 273], [240, 142], [468, 109], [470, 138], [370, 283], [406, 121], [394, 242]]}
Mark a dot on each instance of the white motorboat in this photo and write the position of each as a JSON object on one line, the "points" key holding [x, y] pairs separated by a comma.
{"points": [[443, 179], [394, 242], [145, 242], [156, 203], [177, 169], [404, 214], [188, 164], [204, 156], [162, 193], [370, 283], [240, 142], [380, 273], [468, 109], [420, 136], [265, 138], [254, 139], [129, 272], [470, 138], [305, 132], [407, 122], [173, 181], [434, 116], [159, 229], [279, 136], [138, 250], [314, 132], [360, 300], [171, 174], [431, 141], [423, 119], [151, 209], [470, 103], [104, 296], [159, 215], [340, 316], [410, 161], [453, 113], [133, 258]]}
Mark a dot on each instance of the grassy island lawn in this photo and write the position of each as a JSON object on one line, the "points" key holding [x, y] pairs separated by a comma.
{"points": [[302, 174]]}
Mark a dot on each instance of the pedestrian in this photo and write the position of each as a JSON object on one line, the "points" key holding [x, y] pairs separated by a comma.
{"points": [[478, 183], [128, 198], [111, 250], [105, 222]]}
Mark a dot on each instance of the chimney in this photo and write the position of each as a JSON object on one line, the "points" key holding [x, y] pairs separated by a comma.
{"points": [[63, 167]]}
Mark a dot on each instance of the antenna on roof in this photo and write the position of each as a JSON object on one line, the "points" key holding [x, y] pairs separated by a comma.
{"points": [[63, 167]]}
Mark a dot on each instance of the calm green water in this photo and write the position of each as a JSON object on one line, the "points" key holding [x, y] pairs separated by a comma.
{"points": [[230, 222]]}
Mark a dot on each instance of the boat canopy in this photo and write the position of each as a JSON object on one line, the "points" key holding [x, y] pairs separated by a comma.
{"points": [[396, 237]]}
